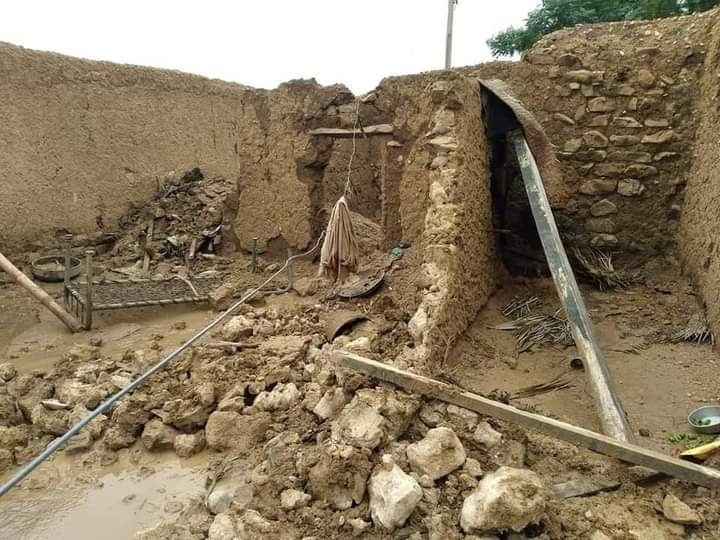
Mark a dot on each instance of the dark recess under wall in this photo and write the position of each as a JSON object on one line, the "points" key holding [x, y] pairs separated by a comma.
{"points": [[517, 237]]}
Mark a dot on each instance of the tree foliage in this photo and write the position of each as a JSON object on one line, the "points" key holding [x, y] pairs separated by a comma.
{"points": [[556, 14]]}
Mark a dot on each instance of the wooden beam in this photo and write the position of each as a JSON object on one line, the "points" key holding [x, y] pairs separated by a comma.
{"points": [[609, 408], [578, 436], [40, 295], [379, 129]]}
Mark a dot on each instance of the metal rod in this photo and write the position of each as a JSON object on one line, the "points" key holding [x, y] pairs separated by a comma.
{"points": [[88, 289], [610, 409], [449, 37], [57, 443]]}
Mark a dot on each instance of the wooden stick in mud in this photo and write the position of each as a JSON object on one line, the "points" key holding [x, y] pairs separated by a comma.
{"points": [[148, 245], [597, 442], [44, 298], [607, 403]]}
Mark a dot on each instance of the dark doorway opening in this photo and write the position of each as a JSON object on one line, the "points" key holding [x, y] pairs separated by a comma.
{"points": [[517, 237]]}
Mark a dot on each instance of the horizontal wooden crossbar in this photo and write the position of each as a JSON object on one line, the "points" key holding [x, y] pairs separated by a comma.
{"points": [[703, 476]]}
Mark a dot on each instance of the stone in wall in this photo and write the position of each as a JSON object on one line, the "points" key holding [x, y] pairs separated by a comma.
{"points": [[661, 156], [584, 76], [591, 155], [603, 208], [637, 157], [630, 187], [624, 140], [598, 186], [573, 145], [661, 137], [595, 139], [641, 171], [626, 122], [609, 169], [601, 225], [564, 119], [646, 79], [601, 104], [624, 90], [604, 241], [601, 120]]}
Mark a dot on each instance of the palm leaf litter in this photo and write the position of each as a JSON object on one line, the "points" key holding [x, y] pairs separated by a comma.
{"points": [[696, 331], [598, 268], [533, 327]]}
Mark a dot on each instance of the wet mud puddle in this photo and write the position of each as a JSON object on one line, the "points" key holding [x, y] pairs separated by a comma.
{"points": [[61, 502]]}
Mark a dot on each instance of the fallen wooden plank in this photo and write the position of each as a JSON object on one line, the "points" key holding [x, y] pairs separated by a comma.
{"points": [[583, 487], [578, 436], [379, 129], [612, 416]]}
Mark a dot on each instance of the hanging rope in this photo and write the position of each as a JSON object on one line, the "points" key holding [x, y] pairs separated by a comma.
{"points": [[340, 252], [348, 191]]}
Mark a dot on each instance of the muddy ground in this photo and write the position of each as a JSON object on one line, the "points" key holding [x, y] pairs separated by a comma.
{"points": [[252, 432]]}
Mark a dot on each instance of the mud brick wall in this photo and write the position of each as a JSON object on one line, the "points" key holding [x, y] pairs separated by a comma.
{"points": [[700, 223], [80, 141], [459, 267]]}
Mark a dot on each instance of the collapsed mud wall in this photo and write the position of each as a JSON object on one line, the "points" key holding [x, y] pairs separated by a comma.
{"points": [[700, 223]]}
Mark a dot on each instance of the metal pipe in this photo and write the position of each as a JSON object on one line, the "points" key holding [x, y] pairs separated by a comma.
{"points": [[449, 37], [57, 443]]}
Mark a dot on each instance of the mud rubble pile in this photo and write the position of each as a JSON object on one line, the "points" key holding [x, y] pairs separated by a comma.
{"points": [[301, 448]]}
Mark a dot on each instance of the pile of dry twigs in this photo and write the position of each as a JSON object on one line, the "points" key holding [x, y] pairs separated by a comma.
{"points": [[696, 331], [598, 267], [532, 327]]}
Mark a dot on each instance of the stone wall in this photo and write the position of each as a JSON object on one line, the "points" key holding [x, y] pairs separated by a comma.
{"points": [[700, 223], [619, 101]]}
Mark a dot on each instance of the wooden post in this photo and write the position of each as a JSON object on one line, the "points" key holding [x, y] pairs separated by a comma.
{"points": [[88, 289], [597, 442], [609, 407], [290, 273], [44, 298], [148, 245], [254, 255], [68, 265]]}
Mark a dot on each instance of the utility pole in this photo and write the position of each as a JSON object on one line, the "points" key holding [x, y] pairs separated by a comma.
{"points": [[448, 42]]}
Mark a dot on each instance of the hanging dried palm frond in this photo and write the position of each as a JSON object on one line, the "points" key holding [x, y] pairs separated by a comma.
{"points": [[339, 254]]}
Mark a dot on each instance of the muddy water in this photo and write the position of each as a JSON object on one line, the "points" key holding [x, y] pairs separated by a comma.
{"points": [[60, 501]]}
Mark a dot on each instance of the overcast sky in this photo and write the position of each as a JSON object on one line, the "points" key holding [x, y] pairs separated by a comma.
{"points": [[264, 42]]}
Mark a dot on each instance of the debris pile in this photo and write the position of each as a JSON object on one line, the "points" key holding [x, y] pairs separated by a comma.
{"points": [[186, 220], [300, 447]]}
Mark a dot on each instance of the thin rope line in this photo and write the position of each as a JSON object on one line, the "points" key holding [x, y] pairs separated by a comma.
{"points": [[348, 191]]}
